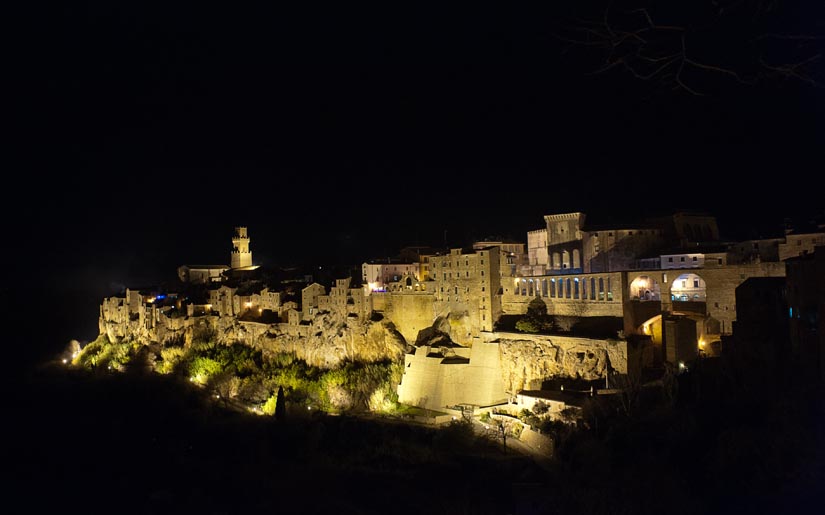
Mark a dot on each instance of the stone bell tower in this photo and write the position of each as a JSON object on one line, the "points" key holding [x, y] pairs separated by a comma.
{"points": [[241, 255]]}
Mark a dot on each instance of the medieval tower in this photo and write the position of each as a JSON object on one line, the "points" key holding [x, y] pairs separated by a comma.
{"points": [[241, 255]]}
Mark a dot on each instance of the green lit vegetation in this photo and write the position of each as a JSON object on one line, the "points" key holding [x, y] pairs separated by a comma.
{"points": [[244, 377], [536, 320]]}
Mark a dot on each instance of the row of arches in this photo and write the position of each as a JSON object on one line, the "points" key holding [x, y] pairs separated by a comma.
{"points": [[579, 288]]}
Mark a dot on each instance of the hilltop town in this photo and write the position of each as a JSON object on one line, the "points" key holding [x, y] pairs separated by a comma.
{"points": [[504, 326]]}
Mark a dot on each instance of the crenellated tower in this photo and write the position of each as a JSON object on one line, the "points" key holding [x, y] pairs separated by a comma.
{"points": [[241, 255]]}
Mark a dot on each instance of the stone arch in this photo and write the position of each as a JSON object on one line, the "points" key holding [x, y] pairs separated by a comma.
{"points": [[688, 287], [577, 262], [645, 287], [565, 259]]}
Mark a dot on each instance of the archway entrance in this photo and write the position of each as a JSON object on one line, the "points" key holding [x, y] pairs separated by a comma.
{"points": [[645, 288], [688, 287]]}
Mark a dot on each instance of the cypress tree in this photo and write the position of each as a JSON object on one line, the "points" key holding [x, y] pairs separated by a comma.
{"points": [[280, 405]]}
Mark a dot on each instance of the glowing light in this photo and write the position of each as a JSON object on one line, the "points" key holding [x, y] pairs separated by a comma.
{"points": [[701, 343], [217, 396], [309, 408], [248, 304], [65, 361]]}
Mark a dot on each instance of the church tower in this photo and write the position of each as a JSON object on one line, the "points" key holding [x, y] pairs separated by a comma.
{"points": [[241, 255]]}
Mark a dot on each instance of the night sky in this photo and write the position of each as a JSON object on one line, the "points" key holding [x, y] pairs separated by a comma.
{"points": [[338, 134]]}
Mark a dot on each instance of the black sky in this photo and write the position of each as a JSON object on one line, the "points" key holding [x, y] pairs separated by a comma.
{"points": [[342, 133]]}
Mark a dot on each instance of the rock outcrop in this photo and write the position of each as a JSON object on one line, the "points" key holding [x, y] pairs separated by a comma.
{"points": [[329, 340], [527, 361]]}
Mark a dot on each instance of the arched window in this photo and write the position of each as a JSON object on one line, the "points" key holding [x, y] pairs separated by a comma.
{"points": [[569, 289], [601, 288], [553, 288]]}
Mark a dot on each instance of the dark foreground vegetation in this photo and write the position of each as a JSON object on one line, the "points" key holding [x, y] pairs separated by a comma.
{"points": [[94, 442]]}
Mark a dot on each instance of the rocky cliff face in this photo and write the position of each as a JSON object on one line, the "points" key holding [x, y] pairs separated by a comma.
{"points": [[328, 341], [331, 340], [525, 363]]}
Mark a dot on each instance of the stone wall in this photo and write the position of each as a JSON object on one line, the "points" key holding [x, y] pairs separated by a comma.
{"points": [[463, 376], [409, 312], [500, 364]]}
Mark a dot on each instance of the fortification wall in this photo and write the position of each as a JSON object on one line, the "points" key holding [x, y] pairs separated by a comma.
{"points": [[409, 312]]}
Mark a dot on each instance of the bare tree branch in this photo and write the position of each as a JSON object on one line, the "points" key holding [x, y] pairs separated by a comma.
{"points": [[633, 40]]}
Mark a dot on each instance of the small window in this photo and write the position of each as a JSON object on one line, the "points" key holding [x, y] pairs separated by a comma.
{"points": [[695, 258], [682, 259]]}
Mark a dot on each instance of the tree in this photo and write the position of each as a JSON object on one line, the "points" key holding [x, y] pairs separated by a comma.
{"points": [[280, 405], [536, 320], [694, 47]]}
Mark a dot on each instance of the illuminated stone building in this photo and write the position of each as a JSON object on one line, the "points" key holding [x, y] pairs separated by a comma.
{"points": [[241, 260], [241, 255], [345, 301], [309, 300], [468, 283], [377, 275], [222, 300], [200, 274], [512, 258]]}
